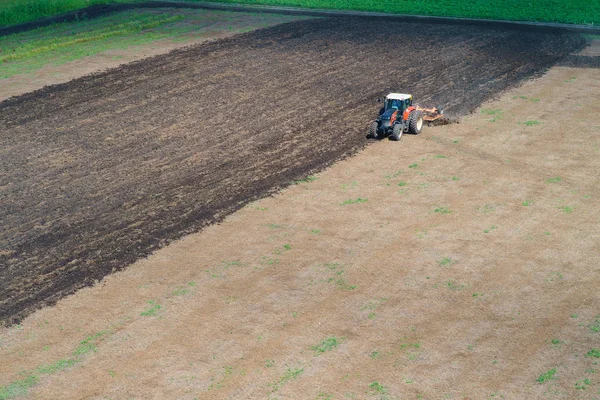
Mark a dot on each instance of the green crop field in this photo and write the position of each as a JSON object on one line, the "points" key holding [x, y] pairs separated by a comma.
{"points": [[19, 11], [573, 11]]}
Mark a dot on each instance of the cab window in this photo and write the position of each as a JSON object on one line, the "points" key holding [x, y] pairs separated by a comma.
{"points": [[397, 104]]}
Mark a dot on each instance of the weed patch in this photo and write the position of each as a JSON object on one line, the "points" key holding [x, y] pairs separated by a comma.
{"points": [[346, 186], [220, 270], [556, 343], [326, 345], [372, 305], [583, 384], [265, 260], [88, 345], [566, 209], [593, 353], [350, 201], [410, 346], [532, 123], [595, 326], [325, 396], [289, 375], [421, 233], [489, 111], [151, 310], [491, 228], [487, 209], [334, 275], [533, 99], [494, 113], [446, 261], [285, 247], [394, 174], [183, 290], [455, 287], [547, 376], [226, 374], [308, 179], [554, 276], [378, 388]]}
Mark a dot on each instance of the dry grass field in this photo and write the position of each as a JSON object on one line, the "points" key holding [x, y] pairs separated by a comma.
{"points": [[462, 263]]}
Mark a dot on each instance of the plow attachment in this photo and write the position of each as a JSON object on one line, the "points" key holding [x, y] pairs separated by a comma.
{"points": [[431, 114]]}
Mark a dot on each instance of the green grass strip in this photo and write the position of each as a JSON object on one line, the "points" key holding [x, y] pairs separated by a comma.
{"points": [[45, 45], [25, 52], [57, 366], [18, 388], [29, 379]]}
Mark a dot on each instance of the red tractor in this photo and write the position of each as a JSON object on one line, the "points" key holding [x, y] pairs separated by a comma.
{"points": [[399, 115]]}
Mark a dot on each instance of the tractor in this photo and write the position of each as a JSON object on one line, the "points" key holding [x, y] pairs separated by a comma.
{"points": [[398, 115]]}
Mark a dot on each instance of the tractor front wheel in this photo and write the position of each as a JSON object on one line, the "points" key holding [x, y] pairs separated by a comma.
{"points": [[373, 130], [415, 122], [397, 132]]}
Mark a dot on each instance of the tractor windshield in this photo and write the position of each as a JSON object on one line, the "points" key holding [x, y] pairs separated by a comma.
{"points": [[397, 104]]}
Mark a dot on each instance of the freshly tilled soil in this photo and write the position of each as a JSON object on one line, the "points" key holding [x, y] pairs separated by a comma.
{"points": [[103, 170]]}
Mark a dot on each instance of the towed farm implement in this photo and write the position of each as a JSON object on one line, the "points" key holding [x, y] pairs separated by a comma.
{"points": [[398, 115]]}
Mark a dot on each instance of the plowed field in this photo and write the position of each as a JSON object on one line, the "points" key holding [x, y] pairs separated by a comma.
{"points": [[103, 170]]}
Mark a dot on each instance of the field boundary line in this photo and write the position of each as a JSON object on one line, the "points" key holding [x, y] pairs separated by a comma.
{"points": [[103, 9]]}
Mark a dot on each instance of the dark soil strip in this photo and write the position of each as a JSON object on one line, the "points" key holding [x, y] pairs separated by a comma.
{"points": [[575, 61], [99, 10], [103, 170]]}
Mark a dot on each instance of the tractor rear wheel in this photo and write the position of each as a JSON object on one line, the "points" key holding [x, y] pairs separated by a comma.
{"points": [[373, 130], [397, 132], [415, 122]]}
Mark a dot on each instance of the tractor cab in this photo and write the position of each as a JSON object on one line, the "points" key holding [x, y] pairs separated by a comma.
{"points": [[397, 101]]}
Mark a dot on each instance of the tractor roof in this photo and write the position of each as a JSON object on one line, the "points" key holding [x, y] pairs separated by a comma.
{"points": [[398, 96]]}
